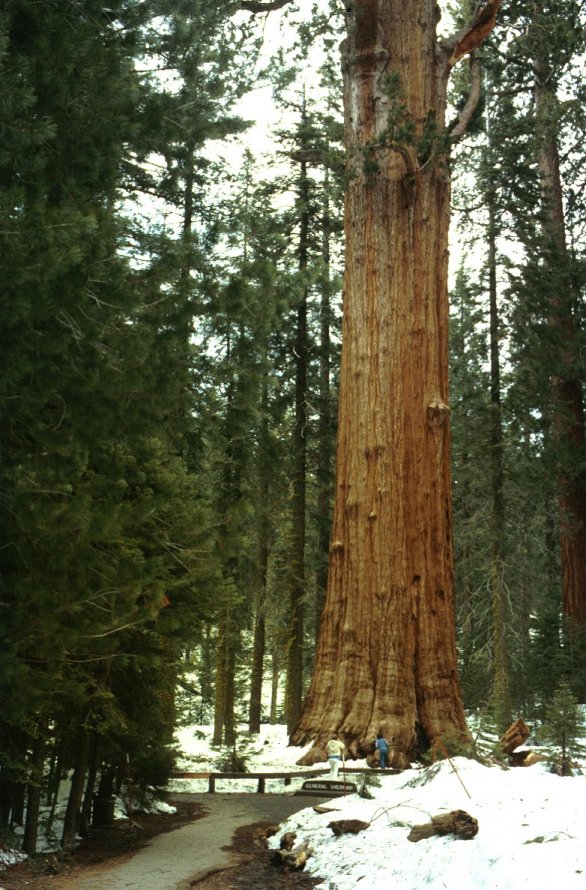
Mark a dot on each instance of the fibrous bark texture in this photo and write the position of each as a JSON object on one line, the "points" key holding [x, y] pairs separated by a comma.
{"points": [[386, 657]]}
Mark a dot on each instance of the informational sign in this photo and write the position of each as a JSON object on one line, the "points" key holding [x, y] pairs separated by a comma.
{"points": [[329, 786]]}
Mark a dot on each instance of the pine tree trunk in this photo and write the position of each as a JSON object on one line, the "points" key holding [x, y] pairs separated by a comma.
{"points": [[276, 673], [72, 813], [54, 783], [206, 674], [34, 789], [55, 770], [221, 678], [258, 646], [13, 746], [258, 654], [86, 807], [324, 455], [386, 656], [295, 647], [566, 382], [229, 700], [501, 696]]}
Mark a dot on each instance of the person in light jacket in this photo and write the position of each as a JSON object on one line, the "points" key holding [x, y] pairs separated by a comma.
{"points": [[335, 750]]}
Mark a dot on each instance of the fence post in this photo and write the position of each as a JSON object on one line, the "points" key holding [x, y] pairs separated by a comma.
{"points": [[211, 783]]}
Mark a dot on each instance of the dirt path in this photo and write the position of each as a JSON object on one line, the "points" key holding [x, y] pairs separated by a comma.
{"points": [[198, 855]]}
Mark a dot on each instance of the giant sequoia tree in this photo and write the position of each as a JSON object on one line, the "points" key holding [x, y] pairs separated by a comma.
{"points": [[386, 655]]}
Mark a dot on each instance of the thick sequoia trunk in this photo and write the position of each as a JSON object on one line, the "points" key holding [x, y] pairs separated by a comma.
{"points": [[386, 656]]}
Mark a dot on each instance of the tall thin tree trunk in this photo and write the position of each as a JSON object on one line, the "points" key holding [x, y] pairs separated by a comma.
{"points": [[501, 693], [72, 813], [227, 645], [275, 677], [229, 717], [92, 774], [34, 791], [566, 382], [206, 674], [221, 678], [295, 648], [258, 646], [324, 455]]}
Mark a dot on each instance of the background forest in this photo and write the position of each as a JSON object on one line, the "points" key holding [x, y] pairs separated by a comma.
{"points": [[170, 306]]}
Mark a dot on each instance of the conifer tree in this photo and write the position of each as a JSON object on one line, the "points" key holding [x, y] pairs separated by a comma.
{"points": [[102, 525], [529, 446]]}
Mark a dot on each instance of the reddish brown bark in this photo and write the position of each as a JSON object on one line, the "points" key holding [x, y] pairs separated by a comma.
{"points": [[386, 656], [566, 385]]}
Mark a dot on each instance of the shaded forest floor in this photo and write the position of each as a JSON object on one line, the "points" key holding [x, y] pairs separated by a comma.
{"points": [[105, 845], [254, 870], [108, 846]]}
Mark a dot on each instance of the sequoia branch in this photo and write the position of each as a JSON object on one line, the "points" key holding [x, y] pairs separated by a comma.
{"points": [[472, 34], [461, 125], [256, 7]]}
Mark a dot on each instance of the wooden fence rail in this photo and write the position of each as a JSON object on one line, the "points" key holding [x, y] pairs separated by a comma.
{"points": [[286, 776]]}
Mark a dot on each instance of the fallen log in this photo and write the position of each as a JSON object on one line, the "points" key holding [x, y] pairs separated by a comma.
{"points": [[457, 822], [347, 826], [525, 757]]}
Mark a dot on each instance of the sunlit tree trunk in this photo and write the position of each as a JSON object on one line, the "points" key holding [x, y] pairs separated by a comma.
{"points": [[386, 656]]}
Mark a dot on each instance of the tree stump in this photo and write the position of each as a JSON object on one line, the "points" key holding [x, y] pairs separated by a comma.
{"points": [[288, 840], [457, 822]]}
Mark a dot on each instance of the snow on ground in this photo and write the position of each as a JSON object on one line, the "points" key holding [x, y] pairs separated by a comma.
{"points": [[269, 751], [532, 829], [9, 857], [532, 823]]}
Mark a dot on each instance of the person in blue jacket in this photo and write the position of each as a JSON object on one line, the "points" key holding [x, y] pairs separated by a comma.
{"points": [[383, 747]]}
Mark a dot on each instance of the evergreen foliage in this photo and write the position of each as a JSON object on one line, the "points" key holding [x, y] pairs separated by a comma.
{"points": [[168, 378], [105, 564], [564, 725], [506, 164]]}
